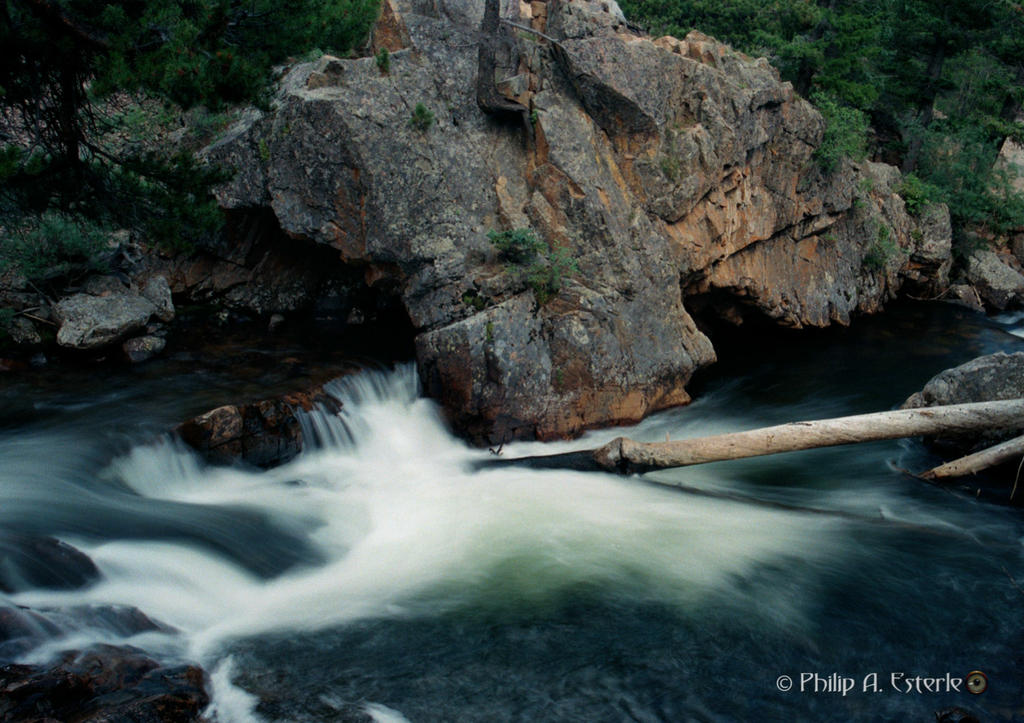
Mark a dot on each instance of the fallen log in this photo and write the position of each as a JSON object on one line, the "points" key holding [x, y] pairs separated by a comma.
{"points": [[973, 463], [625, 455]]}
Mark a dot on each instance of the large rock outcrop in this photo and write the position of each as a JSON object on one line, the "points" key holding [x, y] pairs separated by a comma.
{"points": [[676, 173]]}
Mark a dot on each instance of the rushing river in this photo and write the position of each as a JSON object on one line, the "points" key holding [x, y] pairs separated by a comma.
{"points": [[385, 571]]}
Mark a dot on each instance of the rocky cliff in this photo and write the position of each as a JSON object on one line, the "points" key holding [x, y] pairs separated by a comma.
{"points": [[677, 174]]}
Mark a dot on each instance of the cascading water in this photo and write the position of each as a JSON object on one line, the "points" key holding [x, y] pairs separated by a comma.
{"points": [[386, 571]]}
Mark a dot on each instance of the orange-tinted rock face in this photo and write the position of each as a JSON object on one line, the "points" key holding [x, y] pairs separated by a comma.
{"points": [[390, 32], [665, 169]]}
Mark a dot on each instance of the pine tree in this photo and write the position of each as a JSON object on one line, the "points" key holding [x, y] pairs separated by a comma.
{"points": [[73, 71]]}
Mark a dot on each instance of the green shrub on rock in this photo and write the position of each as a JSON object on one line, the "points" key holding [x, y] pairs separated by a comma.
{"points": [[383, 58], [517, 245], [545, 276], [422, 118], [917, 194], [530, 259], [881, 250]]}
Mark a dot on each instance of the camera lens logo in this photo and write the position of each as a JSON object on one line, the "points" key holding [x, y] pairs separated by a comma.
{"points": [[977, 682]]}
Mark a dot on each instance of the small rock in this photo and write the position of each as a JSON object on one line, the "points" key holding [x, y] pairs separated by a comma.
{"points": [[38, 360], [276, 322], [24, 332], [90, 322], [143, 348], [158, 292]]}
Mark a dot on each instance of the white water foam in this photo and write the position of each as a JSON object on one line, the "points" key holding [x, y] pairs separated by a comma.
{"points": [[383, 714], [405, 526], [229, 703]]}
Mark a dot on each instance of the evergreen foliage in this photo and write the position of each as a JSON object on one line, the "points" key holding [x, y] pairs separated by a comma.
{"points": [[84, 83], [530, 259], [517, 245], [422, 118], [846, 132]]}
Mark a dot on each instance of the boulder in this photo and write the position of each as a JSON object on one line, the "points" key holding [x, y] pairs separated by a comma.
{"points": [[256, 270], [1011, 160], [998, 283], [984, 379], [389, 33], [265, 433], [89, 322], [675, 174]]}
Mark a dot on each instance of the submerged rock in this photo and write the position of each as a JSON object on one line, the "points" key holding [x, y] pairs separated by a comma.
{"points": [[956, 715], [104, 683], [675, 174], [23, 629], [265, 433], [33, 561]]}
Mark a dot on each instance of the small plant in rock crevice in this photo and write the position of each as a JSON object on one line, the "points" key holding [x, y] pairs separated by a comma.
{"points": [[422, 118], [917, 194], [473, 299], [531, 260], [383, 58], [881, 250], [517, 245]]}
